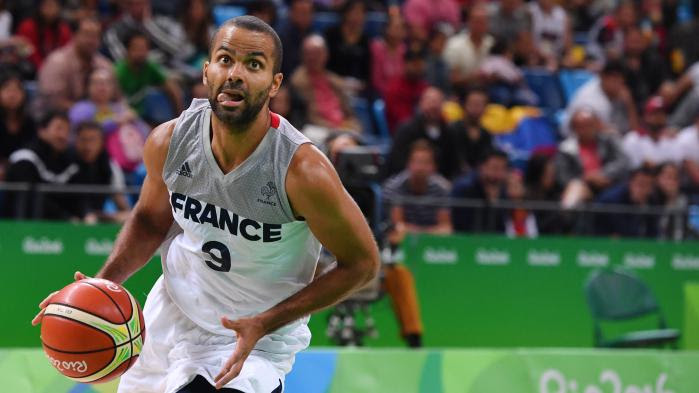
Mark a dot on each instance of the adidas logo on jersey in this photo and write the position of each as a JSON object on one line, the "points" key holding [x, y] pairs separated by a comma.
{"points": [[185, 170]]}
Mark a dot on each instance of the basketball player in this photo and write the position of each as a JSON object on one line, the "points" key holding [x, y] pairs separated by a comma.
{"points": [[252, 201]]}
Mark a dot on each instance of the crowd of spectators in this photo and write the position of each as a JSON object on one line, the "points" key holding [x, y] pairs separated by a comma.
{"points": [[429, 81]]}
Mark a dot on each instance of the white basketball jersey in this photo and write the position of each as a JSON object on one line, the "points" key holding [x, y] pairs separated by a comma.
{"points": [[237, 249]]}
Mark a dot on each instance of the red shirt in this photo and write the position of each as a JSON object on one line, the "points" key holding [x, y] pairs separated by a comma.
{"points": [[46, 43], [327, 102], [589, 158], [402, 96]]}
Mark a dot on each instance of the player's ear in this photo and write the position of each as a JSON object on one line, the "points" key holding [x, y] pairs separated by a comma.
{"points": [[276, 84], [203, 74]]}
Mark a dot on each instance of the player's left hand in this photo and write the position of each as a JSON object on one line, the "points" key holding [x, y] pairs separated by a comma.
{"points": [[248, 331]]}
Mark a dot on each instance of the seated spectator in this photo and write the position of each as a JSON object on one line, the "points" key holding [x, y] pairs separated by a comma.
{"points": [[387, 55], [683, 97], [16, 126], [551, 30], [422, 15], [418, 179], [47, 160], [348, 47], [125, 132], [321, 91], [606, 38], [609, 97], [644, 66], [403, 91], [637, 192], [437, 71], [487, 184], [138, 76], [428, 124], [673, 224], [287, 104], [266, 10], [589, 161], [688, 142], [45, 31], [95, 168], [653, 144], [465, 51], [508, 20], [505, 80], [520, 222], [169, 40], [470, 140], [540, 185], [196, 20], [293, 31], [62, 79]]}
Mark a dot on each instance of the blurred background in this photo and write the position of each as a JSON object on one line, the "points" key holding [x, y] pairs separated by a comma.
{"points": [[530, 171]]}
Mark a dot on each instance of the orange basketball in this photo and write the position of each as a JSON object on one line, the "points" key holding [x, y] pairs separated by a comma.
{"points": [[93, 330]]}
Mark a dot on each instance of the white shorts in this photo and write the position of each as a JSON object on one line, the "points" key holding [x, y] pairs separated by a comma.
{"points": [[176, 350]]}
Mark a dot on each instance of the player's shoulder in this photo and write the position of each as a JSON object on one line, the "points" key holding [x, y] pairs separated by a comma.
{"points": [[159, 138]]}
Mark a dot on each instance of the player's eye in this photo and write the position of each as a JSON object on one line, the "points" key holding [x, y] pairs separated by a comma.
{"points": [[255, 65], [225, 59]]}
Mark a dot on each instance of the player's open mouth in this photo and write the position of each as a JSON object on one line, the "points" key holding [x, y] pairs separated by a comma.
{"points": [[231, 98]]}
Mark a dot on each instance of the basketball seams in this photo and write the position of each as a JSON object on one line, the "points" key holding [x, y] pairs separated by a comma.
{"points": [[90, 317], [114, 344]]}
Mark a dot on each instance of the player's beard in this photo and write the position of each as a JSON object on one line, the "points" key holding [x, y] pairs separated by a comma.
{"points": [[239, 118]]}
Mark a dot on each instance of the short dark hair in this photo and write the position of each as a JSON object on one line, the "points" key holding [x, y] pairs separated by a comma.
{"points": [[421, 145], [647, 169], [253, 23], [52, 114], [495, 153], [134, 34], [613, 67], [87, 125]]}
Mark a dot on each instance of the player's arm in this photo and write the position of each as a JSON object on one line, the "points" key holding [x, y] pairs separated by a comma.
{"points": [[151, 217], [317, 195]]}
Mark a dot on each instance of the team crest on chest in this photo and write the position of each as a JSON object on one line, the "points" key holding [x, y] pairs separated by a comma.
{"points": [[268, 191]]}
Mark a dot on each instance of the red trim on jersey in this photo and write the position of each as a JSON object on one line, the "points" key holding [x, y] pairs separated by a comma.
{"points": [[274, 119]]}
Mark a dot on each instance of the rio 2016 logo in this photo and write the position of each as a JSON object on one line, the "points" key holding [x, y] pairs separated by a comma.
{"points": [[554, 381]]}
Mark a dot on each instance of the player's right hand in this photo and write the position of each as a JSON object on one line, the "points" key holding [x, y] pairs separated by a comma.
{"points": [[37, 319]]}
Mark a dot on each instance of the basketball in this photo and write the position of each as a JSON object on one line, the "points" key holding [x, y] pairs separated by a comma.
{"points": [[92, 330]]}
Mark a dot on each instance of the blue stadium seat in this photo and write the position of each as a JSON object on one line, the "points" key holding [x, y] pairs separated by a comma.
{"points": [[571, 80], [325, 20], [547, 88], [379, 110], [375, 23], [157, 107], [362, 110], [531, 134]]}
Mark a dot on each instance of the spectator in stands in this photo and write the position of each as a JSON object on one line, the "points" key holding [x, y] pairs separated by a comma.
{"points": [[682, 45], [138, 76], [540, 185], [422, 15], [266, 10], [293, 31], [487, 184], [437, 71], [95, 168], [62, 79], [387, 55], [428, 124], [5, 21], [286, 103], [606, 40], [321, 91], [637, 192], [551, 30], [45, 31], [645, 68], [688, 142], [673, 224], [16, 126], [683, 97], [589, 161], [418, 179], [348, 47], [168, 38], [196, 20], [520, 222], [654, 143], [404, 91], [47, 160], [505, 80], [125, 132], [609, 97], [508, 20], [470, 140], [465, 51]]}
